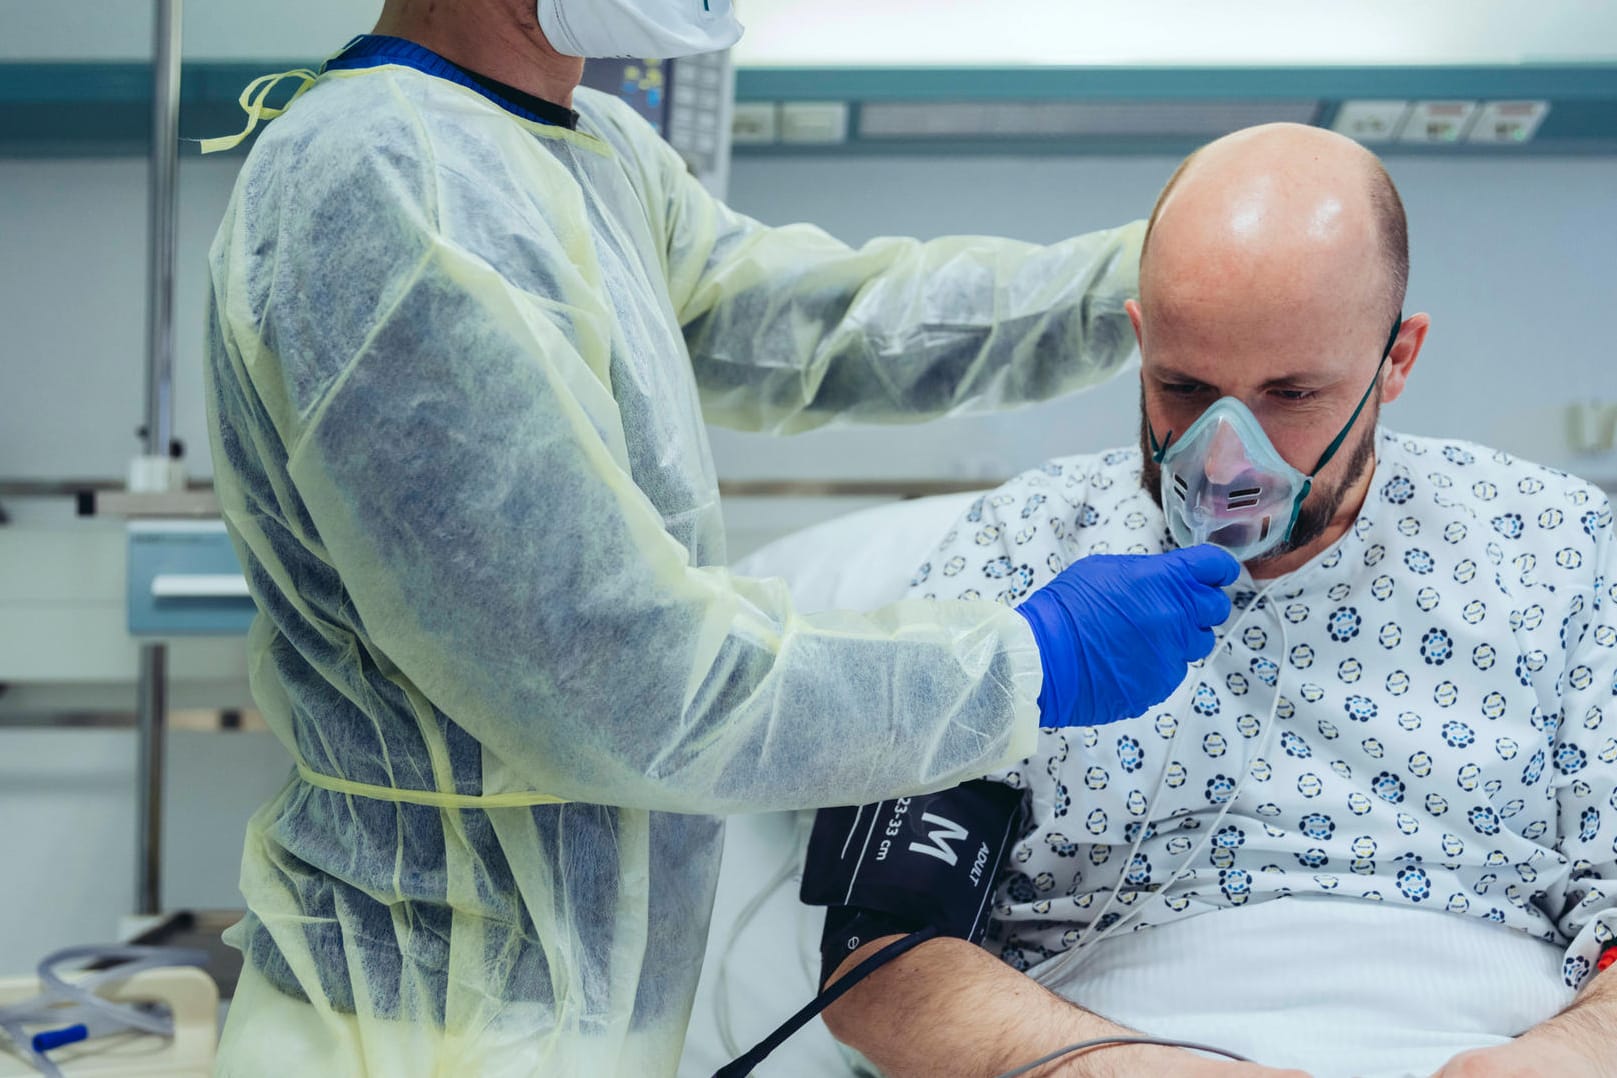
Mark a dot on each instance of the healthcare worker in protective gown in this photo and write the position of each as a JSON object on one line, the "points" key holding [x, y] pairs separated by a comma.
{"points": [[462, 340]]}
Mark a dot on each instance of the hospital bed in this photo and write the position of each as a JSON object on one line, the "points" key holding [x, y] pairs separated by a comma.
{"points": [[762, 956]]}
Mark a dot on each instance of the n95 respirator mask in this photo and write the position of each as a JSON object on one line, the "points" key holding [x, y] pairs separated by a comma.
{"points": [[643, 29]]}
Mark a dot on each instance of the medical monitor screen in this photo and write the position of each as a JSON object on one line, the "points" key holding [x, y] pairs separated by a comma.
{"points": [[644, 84]]}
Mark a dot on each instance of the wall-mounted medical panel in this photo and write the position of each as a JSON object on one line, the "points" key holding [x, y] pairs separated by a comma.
{"points": [[1552, 109], [184, 580], [62, 108]]}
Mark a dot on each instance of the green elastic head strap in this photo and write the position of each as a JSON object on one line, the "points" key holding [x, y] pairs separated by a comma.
{"points": [[1336, 443], [1341, 436], [1158, 451]]}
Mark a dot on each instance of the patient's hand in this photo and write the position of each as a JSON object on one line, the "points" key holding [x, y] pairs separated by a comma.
{"points": [[1142, 1061], [1580, 1042], [1154, 1062], [1132, 1062], [1223, 1069], [1542, 1057]]}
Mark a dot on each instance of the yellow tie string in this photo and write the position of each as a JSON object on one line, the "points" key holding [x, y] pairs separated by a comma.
{"points": [[435, 798], [252, 102]]}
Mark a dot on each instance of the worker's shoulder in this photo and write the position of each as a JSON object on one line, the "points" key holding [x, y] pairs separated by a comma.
{"points": [[344, 127], [609, 112], [1516, 499]]}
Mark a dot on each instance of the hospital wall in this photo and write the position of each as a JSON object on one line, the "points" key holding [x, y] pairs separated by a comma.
{"points": [[1515, 261]]}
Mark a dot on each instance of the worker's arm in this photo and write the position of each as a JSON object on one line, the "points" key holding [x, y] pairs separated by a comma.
{"points": [[949, 1009], [459, 510], [789, 328]]}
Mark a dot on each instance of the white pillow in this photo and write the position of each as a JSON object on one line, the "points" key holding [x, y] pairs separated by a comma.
{"points": [[859, 561]]}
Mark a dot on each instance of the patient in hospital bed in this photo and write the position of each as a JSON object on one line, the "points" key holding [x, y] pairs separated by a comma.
{"points": [[1373, 833]]}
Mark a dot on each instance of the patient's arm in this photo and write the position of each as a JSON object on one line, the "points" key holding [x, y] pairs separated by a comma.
{"points": [[949, 1009], [1590, 1020]]}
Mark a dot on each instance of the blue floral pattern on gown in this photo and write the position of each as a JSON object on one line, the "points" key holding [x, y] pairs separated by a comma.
{"points": [[1418, 715]]}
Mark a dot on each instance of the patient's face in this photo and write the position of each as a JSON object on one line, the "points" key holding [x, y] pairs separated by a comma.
{"points": [[1265, 280], [1303, 390]]}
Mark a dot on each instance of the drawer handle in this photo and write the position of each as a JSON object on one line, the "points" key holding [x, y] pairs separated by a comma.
{"points": [[199, 586]]}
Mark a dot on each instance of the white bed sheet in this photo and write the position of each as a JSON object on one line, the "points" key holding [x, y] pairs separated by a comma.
{"points": [[1336, 986]]}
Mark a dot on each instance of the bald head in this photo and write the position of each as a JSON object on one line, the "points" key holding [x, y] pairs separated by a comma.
{"points": [[1273, 271], [1282, 212]]}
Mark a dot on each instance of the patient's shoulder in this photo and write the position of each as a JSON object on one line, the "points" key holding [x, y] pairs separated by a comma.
{"points": [[1511, 500], [1092, 485], [1016, 537]]}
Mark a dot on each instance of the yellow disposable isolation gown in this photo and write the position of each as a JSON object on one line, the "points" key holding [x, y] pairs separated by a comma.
{"points": [[458, 367]]}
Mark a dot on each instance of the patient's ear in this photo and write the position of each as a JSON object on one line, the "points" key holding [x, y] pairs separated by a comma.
{"points": [[1401, 360], [1133, 308]]}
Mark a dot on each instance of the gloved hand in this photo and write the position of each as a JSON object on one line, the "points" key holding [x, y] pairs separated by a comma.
{"points": [[1115, 631]]}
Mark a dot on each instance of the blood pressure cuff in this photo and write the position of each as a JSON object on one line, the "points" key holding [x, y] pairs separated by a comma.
{"points": [[902, 865]]}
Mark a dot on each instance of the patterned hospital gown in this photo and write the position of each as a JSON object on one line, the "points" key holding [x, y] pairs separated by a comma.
{"points": [[1425, 713]]}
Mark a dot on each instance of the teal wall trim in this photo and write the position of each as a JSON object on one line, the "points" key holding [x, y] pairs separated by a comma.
{"points": [[101, 109], [1556, 82]]}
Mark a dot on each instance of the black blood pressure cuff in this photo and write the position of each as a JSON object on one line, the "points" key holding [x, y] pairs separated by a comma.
{"points": [[899, 866]]}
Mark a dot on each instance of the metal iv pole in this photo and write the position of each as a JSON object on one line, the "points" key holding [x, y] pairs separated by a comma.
{"points": [[155, 472]]}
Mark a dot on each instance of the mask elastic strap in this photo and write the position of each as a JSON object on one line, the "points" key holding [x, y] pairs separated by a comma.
{"points": [[1336, 443], [1297, 503], [1158, 451]]}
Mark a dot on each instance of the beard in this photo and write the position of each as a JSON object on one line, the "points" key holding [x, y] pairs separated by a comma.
{"points": [[1319, 507]]}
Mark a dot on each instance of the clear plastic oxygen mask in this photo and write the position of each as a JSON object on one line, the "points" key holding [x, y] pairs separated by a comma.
{"points": [[1224, 483]]}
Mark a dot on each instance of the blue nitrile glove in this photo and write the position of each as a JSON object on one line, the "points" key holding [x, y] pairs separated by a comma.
{"points": [[1115, 631]]}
